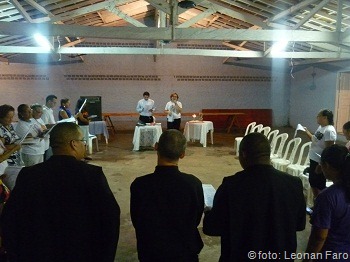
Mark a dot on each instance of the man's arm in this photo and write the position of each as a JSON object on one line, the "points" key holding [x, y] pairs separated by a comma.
{"points": [[109, 217]]}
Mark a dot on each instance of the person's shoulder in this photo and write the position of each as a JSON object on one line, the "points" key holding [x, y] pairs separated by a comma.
{"points": [[142, 179], [190, 177]]}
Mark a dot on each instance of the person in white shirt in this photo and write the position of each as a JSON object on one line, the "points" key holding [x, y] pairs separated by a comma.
{"points": [[33, 152], [146, 108], [47, 115], [324, 136], [173, 110]]}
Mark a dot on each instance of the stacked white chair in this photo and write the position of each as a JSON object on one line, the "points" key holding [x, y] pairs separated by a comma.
{"points": [[302, 162], [271, 136], [277, 145], [239, 139], [265, 130], [256, 128], [288, 156], [309, 197]]}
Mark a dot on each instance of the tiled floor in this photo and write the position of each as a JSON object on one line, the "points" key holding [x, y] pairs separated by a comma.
{"points": [[122, 165]]}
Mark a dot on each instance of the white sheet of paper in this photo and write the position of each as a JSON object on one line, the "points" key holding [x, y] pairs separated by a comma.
{"points": [[209, 193], [299, 127]]}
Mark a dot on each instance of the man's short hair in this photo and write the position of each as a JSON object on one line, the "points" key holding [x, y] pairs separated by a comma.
{"points": [[172, 144], [63, 133], [255, 146], [145, 94], [50, 98]]}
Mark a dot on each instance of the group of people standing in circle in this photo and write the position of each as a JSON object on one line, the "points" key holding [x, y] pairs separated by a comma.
{"points": [[145, 107]]}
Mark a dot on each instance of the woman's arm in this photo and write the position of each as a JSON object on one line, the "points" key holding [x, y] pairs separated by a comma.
{"points": [[63, 114], [81, 117], [308, 133], [316, 241], [9, 151]]}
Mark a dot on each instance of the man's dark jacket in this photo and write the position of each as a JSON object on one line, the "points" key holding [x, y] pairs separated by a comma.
{"points": [[61, 210]]}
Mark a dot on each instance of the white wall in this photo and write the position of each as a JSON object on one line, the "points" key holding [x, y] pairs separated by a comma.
{"points": [[249, 91], [305, 103]]}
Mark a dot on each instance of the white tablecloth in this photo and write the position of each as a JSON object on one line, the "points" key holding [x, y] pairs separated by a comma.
{"points": [[197, 130], [98, 128], [146, 135]]}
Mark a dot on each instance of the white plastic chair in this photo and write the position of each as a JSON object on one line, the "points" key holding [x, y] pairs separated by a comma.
{"points": [[302, 162], [288, 156], [91, 138], [280, 140], [265, 130], [272, 135], [239, 139], [257, 128], [309, 197]]}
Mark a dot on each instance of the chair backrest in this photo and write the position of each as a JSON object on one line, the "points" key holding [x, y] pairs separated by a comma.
{"points": [[256, 128], [265, 130], [249, 127], [271, 136], [291, 149], [304, 150], [281, 139]]}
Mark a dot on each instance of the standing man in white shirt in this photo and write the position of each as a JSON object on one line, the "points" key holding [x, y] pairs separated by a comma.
{"points": [[49, 119], [146, 108], [47, 115]]}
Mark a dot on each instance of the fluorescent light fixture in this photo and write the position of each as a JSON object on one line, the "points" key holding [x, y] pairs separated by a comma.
{"points": [[42, 41], [279, 47]]}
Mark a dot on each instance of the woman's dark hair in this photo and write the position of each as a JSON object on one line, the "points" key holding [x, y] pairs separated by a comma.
{"points": [[5, 109], [80, 102], [64, 100], [337, 157], [329, 114]]}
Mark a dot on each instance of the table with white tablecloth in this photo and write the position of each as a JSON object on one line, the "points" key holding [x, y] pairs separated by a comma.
{"points": [[198, 130], [99, 128], [146, 135]]}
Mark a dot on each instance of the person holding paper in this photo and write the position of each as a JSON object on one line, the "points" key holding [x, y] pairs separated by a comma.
{"points": [[8, 133], [166, 206], [64, 111], [37, 112], [47, 116], [81, 114], [62, 209], [146, 108], [325, 136], [259, 209], [173, 110], [32, 151]]}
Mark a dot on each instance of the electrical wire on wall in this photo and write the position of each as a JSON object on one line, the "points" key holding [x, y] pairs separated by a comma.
{"points": [[59, 46], [292, 63]]}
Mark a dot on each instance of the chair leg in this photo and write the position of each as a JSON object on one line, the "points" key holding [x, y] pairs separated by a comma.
{"points": [[97, 149]]}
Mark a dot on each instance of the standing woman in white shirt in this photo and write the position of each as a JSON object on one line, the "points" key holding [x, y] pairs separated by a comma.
{"points": [[173, 110], [324, 136]]}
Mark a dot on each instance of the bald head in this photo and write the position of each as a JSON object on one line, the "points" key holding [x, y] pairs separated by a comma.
{"points": [[67, 139], [172, 144], [254, 149]]}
